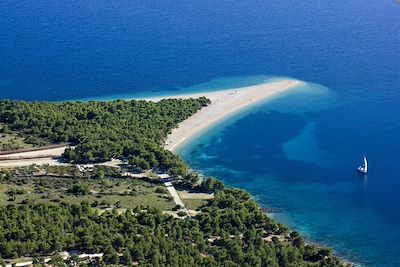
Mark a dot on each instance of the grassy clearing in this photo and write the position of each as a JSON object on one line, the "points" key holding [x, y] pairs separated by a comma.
{"points": [[101, 192], [195, 204], [11, 141], [194, 199]]}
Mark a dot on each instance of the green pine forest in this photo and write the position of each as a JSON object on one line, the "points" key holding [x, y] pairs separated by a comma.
{"points": [[229, 230], [103, 130]]}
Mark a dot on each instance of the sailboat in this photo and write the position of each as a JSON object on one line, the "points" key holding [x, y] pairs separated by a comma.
{"points": [[363, 168]]}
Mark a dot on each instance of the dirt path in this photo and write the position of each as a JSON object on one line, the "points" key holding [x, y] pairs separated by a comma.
{"points": [[51, 152], [49, 156]]}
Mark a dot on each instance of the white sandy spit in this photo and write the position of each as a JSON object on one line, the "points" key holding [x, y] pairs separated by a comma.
{"points": [[224, 103]]}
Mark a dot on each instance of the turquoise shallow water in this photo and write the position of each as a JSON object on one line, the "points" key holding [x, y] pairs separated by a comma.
{"points": [[298, 153]]}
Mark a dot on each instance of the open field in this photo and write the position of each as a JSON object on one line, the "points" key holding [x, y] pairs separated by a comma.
{"points": [[194, 200], [195, 204], [63, 184], [11, 141]]}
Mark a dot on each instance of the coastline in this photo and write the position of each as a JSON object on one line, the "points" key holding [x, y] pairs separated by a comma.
{"points": [[224, 103]]}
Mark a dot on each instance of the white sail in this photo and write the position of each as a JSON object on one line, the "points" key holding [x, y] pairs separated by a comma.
{"points": [[363, 168], [365, 164]]}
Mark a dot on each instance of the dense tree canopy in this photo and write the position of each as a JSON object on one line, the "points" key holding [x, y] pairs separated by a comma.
{"points": [[104, 130], [212, 184], [231, 231]]}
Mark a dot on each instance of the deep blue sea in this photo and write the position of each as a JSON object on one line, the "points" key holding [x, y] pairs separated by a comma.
{"points": [[297, 153]]}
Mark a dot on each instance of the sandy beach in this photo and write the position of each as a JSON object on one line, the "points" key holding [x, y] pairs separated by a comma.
{"points": [[224, 103]]}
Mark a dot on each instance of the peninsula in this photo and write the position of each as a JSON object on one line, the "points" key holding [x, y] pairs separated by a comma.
{"points": [[108, 180], [224, 103]]}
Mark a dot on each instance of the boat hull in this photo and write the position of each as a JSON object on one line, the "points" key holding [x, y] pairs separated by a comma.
{"points": [[362, 170]]}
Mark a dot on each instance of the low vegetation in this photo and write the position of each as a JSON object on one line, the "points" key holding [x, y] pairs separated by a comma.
{"points": [[103, 188], [11, 141]]}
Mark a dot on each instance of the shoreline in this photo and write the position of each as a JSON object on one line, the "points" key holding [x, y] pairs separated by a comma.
{"points": [[224, 104]]}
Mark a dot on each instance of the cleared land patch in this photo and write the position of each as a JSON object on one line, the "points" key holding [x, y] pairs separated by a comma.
{"points": [[11, 141], [195, 200], [102, 188]]}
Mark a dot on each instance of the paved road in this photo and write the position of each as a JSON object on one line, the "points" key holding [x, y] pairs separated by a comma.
{"points": [[174, 194]]}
